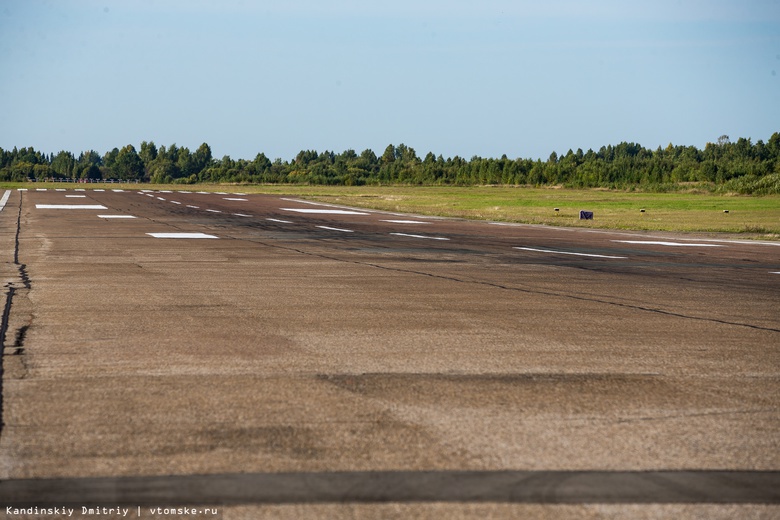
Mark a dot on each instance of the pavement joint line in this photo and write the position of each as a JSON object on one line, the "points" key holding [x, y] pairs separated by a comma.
{"points": [[402, 486]]}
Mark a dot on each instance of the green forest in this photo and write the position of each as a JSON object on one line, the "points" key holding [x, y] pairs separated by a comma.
{"points": [[739, 166]]}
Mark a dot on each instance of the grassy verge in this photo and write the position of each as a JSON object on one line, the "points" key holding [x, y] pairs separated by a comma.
{"points": [[751, 216]]}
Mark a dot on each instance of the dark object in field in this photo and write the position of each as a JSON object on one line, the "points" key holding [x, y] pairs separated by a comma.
{"points": [[586, 215]]}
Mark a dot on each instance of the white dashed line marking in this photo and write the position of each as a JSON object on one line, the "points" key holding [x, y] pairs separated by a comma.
{"points": [[336, 229], [60, 189], [40, 189], [118, 191], [181, 235], [324, 211], [160, 198], [75, 196], [70, 206], [116, 216], [405, 221], [214, 210], [229, 198], [4, 199], [279, 220], [418, 236], [567, 253], [241, 215], [175, 202], [661, 243], [193, 207]]}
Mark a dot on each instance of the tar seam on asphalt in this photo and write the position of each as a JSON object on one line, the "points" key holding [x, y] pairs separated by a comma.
{"points": [[18, 344]]}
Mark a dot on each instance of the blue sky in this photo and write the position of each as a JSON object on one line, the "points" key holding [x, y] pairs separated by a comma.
{"points": [[455, 77]]}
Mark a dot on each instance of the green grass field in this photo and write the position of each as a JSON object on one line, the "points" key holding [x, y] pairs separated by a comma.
{"points": [[751, 216]]}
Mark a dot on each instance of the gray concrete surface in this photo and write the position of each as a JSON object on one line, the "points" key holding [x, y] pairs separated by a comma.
{"points": [[316, 343]]}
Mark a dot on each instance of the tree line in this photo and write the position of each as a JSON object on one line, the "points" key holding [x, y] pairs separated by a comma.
{"points": [[739, 166]]}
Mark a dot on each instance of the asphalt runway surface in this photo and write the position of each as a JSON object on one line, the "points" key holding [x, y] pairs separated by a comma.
{"points": [[281, 358]]}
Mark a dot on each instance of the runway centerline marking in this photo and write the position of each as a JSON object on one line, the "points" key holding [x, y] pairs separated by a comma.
{"points": [[116, 216], [552, 251], [75, 196], [69, 206], [405, 221], [214, 210], [241, 215], [181, 235], [418, 236], [230, 198], [193, 207], [662, 243], [325, 211], [336, 229], [279, 220]]}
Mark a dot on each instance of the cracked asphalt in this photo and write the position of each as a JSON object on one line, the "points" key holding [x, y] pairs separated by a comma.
{"points": [[307, 344]]}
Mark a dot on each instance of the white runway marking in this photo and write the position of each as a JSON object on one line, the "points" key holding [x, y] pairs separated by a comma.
{"points": [[160, 198], [70, 206], [241, 215], [278, 220], [116, 216], [567, 253], [181, 235], [118, 191], [4, 199], [193, 207], [336, 229], [229, 198], [418, 236], [405, 221], [661, 243], [75, 196], [175, 202], [60, 189], [149, 195], [324, 211], [166, 191], [214, 210], [40, 189], [79, 189], [99, 190], [21, 189], [775, 272]]}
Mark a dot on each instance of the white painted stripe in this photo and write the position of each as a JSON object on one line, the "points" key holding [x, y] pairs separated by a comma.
{"points": [[99, 190], [193, 207], [181, 235], [149, 195], [336, 229], [660, 243], [567, 253], [185, 191], [775, 272], [116, 216], [307, 202], [79, 189], [324, 211], [241, 215], [40, 189], [202, 192], [166, 191], [75, 196], [278, 220], [418, 236], [160, 198], [4, 199], [21, 189], [60, 189], [405, 221], [142, 191], [221, 193], [229, 198], [70, 206], [239, 194], [214, 210], [118, 191], [175, 202]]}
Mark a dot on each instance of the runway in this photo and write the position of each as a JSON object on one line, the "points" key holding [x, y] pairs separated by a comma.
{"points": [[164, 336]]}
